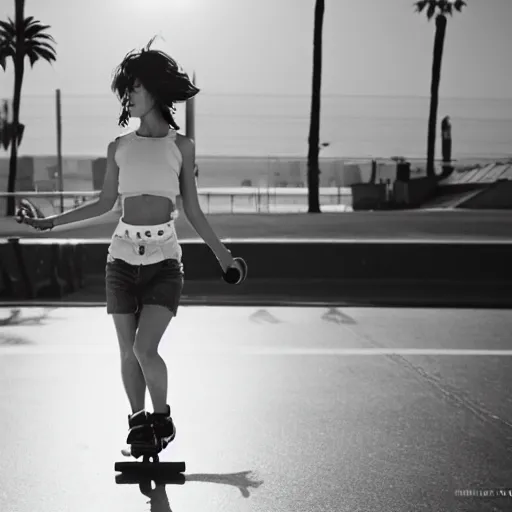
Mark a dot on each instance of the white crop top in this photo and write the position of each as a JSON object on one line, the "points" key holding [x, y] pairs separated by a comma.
{"points": [[148, 165]]}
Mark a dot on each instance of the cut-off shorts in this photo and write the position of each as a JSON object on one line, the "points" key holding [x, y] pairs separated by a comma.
{"points": [[143, 267]]}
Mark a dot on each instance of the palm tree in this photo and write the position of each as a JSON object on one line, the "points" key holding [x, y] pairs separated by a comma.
{"points": [[314, 127], [439, 9], [25, 37]]}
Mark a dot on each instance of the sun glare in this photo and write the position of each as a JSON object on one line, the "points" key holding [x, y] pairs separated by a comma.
{"points": [[170, 5]]}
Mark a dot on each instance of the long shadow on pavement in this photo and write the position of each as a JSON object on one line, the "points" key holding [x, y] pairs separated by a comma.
{"points": [[155, 489]]}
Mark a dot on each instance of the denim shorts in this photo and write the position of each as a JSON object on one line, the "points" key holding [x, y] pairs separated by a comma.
{"points": [[129, 287]]}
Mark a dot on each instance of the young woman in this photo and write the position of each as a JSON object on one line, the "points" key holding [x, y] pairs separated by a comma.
{"points": [[148, 168]]}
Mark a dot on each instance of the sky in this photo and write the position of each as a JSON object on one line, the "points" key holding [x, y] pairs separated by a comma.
{"points": [[370, 47]]}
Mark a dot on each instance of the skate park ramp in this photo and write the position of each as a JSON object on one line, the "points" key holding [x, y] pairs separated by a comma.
{"points": [[497, 196], [450, 200], [485, 188]]}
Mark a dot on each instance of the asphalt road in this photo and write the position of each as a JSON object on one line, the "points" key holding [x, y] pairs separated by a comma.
{"points": [[277, 409]]}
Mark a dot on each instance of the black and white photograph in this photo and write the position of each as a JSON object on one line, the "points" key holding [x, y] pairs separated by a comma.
{"points": [[256, 255]]}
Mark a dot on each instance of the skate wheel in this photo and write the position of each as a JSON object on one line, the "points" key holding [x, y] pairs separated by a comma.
{"points": [[135, 478], [150, 468]]}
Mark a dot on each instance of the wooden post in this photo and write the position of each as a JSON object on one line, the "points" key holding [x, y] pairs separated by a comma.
{"points": [[59, 151]]}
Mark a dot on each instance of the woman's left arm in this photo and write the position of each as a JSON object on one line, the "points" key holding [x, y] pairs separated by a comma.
{"points": [[192, 208]]}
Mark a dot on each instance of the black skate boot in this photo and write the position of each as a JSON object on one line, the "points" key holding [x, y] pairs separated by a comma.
{"points": [[163, 427], [141, 435]]}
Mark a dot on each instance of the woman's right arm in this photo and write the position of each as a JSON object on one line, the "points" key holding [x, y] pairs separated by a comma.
{"points": [[106, 200]]}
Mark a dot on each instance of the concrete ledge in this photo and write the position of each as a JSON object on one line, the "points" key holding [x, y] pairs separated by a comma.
{"points": [[361, 293], [364, 273]]}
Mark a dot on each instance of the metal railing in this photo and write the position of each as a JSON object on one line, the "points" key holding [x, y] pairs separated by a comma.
{"points": [[212, 200]]}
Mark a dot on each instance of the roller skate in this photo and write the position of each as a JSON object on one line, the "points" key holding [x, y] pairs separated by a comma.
{"points": [[163, 428], [150, 434], [141, 438]]}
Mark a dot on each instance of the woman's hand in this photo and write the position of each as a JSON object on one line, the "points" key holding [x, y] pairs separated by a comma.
{"points": [[41, 224], [225, 259]]}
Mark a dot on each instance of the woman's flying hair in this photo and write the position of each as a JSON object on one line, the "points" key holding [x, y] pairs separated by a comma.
{"points": [[160, 75]]}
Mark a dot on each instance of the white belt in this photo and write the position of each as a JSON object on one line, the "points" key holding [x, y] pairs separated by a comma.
{"points": [[154, 234], [144, 245]]}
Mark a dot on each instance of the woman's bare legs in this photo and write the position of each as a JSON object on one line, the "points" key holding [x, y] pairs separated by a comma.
{"points": [[153, 322], [131, 372]]}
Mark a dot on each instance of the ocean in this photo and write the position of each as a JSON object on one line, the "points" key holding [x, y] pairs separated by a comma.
{"points": [[262, 141], [277, 126]]}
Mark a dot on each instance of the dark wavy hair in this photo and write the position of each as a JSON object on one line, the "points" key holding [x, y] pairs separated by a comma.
{"points": [[160, 75]]}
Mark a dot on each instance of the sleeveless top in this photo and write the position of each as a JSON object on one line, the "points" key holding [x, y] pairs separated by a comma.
{"points": [[148, 165]]}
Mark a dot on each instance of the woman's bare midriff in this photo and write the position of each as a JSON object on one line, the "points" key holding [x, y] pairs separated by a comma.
{"points": [[147, 210]]}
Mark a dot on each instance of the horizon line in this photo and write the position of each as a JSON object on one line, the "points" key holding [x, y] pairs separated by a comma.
{"points": [[368, 158], [282, 95]]}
